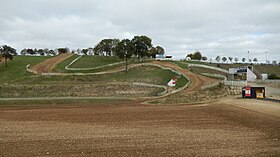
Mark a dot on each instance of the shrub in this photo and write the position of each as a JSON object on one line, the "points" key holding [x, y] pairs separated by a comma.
{"points": [[274, 77]]}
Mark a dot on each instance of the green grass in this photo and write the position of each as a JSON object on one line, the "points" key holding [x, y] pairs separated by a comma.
{"points": [[200, 70], [95, 85], [61, 66], [145, 74], [181, 64], [61, 102], [17, 68], [95, 61], [182, 81]]}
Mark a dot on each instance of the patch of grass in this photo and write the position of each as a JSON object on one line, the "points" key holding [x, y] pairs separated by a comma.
{"points": [[61, 66], [146, 74], [200, 70], [17, 68], [182, 81], [95, 61], [181, 64], [194, 97], [61, 102]]}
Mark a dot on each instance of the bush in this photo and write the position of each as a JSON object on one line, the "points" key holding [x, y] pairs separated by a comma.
{"points": [[274, 77]]}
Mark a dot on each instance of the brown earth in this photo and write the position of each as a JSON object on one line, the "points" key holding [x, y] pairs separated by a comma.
{"points": [[49, 64], [196, 80], [227, 127], [132, 129]]}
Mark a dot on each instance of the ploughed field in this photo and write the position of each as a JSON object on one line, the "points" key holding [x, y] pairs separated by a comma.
{"points": [[133, 129]]}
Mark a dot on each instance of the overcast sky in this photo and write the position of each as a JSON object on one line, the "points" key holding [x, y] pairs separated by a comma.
{"points": [[214, 27]]}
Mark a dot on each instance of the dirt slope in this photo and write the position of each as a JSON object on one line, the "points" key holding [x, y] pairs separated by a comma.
{"points": [[196, 80], [49, 64]]}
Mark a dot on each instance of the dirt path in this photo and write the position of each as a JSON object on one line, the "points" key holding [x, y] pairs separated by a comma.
{"points": [[49, 64], [196, 80]]}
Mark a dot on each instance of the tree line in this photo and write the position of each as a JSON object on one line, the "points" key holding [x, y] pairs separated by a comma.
{"points": [[138, 46], [198, 56]]}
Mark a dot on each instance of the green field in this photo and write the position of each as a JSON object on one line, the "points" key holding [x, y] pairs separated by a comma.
{"points": [[17, 68], [95, 61], [92, 62]]}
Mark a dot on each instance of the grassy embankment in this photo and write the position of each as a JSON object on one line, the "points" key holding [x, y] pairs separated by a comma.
{"points": [[116, 85], [17, 68], [262, 68]]}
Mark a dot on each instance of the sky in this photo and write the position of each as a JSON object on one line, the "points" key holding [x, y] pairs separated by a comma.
{"points": [[227, 28]]}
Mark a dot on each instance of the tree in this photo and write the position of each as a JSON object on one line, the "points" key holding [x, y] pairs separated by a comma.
{"points": [[30, 51], [85, 51], [142, 45], [218, 58], [236, 60], [52, 52], [124, 50], [156, 50], [243, 60], [230, 59], [47, 51], [41, 52], [7, 52], [224, 59], [62, 50], [106, 46], [190, 56], [255, 60], [204, 58], [274, 62], [197, 56], [23, 52]]}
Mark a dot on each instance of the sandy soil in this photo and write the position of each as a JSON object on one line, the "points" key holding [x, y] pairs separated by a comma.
{"points": [[216, 129], [49, 64]]}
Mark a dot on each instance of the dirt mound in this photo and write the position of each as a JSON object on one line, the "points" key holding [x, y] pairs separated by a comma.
{"points": [[49, 64]]}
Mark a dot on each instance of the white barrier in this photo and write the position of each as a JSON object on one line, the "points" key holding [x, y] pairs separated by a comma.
{"points": [[207, 67]]}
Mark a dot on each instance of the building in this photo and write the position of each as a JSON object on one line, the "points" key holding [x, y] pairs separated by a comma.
{"points": [[163, 57], [242, 73]]}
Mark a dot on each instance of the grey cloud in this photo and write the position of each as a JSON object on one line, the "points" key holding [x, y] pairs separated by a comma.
{"points": [[216, 27]]}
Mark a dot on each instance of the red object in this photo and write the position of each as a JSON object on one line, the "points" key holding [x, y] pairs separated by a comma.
{"points": [[247, 91]]}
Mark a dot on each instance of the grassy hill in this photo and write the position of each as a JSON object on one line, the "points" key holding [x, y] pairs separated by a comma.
{"points": [[91, 62], [23, 84], [16, 68]]}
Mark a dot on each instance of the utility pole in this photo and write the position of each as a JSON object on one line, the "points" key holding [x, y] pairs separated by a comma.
{"points": [[248, 56], [265, 56]]}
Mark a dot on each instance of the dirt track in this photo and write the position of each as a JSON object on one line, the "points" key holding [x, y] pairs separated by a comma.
{"points": [[196, 80], [217, 129], [224, 128], [49, 64]]}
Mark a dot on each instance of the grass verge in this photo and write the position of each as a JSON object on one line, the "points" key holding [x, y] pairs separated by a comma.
{"points": [[61, 102]]}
